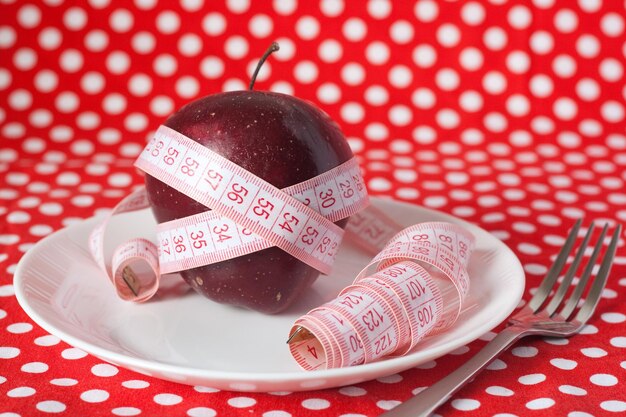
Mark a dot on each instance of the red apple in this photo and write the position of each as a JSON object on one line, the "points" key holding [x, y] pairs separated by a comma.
{"points": [[277, 137]]}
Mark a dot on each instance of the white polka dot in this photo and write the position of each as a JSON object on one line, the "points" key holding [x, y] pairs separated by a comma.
{"points": [[94, 396], [565, 364], [518, 105], [400, 76], [121, 20], [615, 406], [471, 101], [92, 82], [135, 384], [17, 217], [104, 370], [315, 404], [167, 399], [495, 38], [331, 51], [280, 413], [307, 27], [588, 46], [612, 24], [165, 65], [423, 98], [499, 391], [471, 59], [566, 21], [75, 18], [46, 81], [67, 102], [238, 6], [531, 379], [21, 392], [447, 118], [376, 95], [590, 6], [519, 17], [494, 82], [186, 87], [352, 112], [64, 382], [495, 122], [352, 391], [201, 412], [261, 26], [47, 340], [168, 22], [214, 24], [565, 108], [330, 8], [241, 402], [34, 367], [199, 388], [234, 85], [594, 352], [618, 341], [401, 32], [603, 380], [564, 66], [587, 89], [473, 13], [25, 59], [541, 42], [448, 35], [611, 70], [465, 404], [447, 79], [126, 411], [354, 29], [40, 230], [352, 74], [329, 93], [8, 291], [426, 10], [96, 40], [51, 406], [306, 72], [612, 111], [118, 62], [540, 404], [424, 56], [400, 115], [376, 53], [143, 42], [50, 38], [572, 390], [211, 67]]}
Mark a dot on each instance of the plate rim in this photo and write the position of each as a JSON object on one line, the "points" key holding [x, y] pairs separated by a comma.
{"points": [[389, 365]]}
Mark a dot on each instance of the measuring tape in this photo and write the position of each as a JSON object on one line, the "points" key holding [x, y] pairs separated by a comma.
{"points": [[390, 309], [391, 305]]}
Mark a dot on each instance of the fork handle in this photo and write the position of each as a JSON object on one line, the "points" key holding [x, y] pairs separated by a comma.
{"points": [[428, 400]]}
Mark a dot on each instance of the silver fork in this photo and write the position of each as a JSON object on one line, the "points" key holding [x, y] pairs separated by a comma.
{"points": [[540, 316]]}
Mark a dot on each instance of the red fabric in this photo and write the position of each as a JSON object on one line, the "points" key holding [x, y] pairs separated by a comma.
{"points": [[507, 114]]}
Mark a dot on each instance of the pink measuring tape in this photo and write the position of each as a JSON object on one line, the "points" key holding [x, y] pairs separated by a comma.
{"points": [[377, 314]]}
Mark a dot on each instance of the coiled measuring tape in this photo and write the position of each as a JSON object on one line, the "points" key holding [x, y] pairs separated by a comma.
{"points": [[249, 214]]}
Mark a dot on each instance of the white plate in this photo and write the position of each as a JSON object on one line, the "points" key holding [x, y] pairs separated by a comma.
{"points": [[183, 337]]}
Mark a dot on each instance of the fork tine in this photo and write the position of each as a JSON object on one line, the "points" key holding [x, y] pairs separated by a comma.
{"points": [[548, 282], [555, 302], [596, 290], [572, 303]]}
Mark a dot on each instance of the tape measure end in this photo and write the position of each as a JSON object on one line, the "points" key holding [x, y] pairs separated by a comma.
{"points": [[131, 280], [299, 335]]}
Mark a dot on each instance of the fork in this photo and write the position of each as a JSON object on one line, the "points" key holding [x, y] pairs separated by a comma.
{"points": [[541, 316]]}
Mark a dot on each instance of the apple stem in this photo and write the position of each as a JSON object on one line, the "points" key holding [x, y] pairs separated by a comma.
{"points": [[273, 48]]}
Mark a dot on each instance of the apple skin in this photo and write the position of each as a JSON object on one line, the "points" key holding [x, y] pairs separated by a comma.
{"points": [[277, 137]]}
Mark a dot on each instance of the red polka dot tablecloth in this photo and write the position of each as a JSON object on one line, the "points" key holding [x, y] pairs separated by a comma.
{"points": [[507, 114]]}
